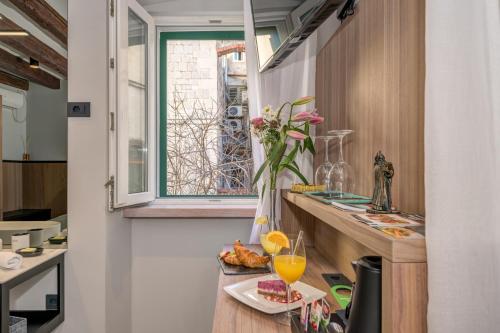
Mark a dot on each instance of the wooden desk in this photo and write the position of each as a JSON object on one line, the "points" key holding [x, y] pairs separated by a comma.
{"points": [[232, 316], [341, 239]]}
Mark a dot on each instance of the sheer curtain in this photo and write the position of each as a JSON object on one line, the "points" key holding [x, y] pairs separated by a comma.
{"points": [[255, 105], [293, 79], [462, 147]]}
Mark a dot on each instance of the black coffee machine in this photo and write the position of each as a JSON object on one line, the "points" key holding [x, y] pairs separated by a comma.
{"points": [[364, 313]]}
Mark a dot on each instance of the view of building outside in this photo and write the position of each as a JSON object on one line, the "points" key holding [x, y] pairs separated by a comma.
{"points": [[208, 132]]}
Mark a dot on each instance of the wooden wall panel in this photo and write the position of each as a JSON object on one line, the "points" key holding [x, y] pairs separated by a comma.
{"points": [[1, 154], [45, 186], [294, 219], [12, 186], [339, 249], [370, 78]]}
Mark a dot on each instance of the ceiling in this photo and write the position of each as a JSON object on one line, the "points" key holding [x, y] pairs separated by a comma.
{"points": [[192, 7]]}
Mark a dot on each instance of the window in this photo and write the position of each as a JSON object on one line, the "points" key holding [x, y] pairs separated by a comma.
{"points": [[204, 131], [138, 104], [132, 105], [238, 56]]}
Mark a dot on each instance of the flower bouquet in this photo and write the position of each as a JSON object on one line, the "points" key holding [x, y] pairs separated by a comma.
{"points": [[283, 135]]}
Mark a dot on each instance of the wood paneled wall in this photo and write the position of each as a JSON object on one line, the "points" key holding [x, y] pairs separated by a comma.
{"points": [[35, 185], [1, 154], [370, 78], [12, 186]]}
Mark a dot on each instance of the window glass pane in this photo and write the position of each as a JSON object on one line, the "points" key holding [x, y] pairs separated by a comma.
{"points": [[208, 144], [137, 104]]}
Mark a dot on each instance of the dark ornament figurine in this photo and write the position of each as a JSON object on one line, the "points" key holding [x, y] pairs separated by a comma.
{"points": [[382, 195]]}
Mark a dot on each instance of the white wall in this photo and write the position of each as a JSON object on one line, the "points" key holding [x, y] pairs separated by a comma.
{"points": [[175, 271], [98, 260], [13, 133], [30, 295], [46, 125]]}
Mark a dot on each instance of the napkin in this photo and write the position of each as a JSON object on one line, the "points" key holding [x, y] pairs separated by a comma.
{"points": [[10, 260]]}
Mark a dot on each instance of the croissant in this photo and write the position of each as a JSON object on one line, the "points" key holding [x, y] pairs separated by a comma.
{"points": [[230, 258], [248, 258]]}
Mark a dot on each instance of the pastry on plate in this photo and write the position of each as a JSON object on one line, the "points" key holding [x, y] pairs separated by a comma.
{"points": [[249, 258], [230, 258]]}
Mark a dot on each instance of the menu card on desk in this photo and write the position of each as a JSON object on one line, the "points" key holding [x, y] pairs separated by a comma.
{"points": [[400, 226]]}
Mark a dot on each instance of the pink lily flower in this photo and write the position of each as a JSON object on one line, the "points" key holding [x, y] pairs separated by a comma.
{"points": [[302, 116], [296, 135], [257, 122], [316, 120], [303, 100]]}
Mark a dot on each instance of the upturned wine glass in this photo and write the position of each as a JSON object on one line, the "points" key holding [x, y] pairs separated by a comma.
{"points": [[341, 175], [322, 172]]}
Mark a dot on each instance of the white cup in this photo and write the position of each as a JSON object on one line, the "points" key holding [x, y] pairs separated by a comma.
{"points": [[20, 241]]}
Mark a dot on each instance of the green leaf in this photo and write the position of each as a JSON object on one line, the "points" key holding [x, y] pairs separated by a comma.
{"points": [[309, 145], [291, 156], [297, 172], [263, 191], [280, 152], [259, 172]]}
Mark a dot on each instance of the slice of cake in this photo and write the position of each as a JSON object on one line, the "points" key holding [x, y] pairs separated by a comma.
{"points": [[272, 288]]}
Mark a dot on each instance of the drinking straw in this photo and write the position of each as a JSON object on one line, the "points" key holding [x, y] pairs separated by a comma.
{"points": [[299, 238]]}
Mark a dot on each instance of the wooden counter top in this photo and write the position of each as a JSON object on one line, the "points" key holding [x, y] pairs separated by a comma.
{"points": [[232, 316], [394, 250]]}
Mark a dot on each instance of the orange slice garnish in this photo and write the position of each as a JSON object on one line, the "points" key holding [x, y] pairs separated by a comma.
{"points": [[279, 238], [261, 220]]}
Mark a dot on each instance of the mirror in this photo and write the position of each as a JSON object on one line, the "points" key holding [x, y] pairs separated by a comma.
{"points": [[33, 129]]}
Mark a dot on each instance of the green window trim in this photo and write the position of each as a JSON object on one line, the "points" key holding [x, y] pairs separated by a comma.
{"points": [[183, 35]]}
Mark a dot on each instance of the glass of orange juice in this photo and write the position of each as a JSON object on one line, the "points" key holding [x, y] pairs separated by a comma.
{"points": [[290, 264]]}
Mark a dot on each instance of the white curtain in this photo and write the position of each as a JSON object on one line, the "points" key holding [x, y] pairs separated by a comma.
{"points": [[255, 105], [293, 79], [462, 152]]}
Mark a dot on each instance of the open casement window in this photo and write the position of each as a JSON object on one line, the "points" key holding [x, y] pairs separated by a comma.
{"points": [[132, 105]]}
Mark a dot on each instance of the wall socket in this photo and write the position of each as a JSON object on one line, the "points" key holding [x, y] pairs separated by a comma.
{"points": [[51, 302], [78, 109]]}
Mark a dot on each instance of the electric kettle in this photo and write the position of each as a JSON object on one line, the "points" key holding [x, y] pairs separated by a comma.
{"points": [[364, 313]]}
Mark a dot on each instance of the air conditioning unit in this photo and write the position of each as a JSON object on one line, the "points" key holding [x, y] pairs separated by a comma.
{"points": [[244, 97], [235, 111], [232, 125]]}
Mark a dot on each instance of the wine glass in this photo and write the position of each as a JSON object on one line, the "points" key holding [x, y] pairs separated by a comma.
{"points": [[323, 170], [341, 175], [290, 264], [270, 248]]}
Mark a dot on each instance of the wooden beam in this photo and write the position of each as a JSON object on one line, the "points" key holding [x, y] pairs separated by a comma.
{"points": [[46, 17], [19, 67], [14, 81], [30, 46]]}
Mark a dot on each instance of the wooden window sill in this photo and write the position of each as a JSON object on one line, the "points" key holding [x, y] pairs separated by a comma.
{"points": [[193, 209]]}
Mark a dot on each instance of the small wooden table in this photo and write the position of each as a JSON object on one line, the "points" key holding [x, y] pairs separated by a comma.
{"points": [[232, 316]]}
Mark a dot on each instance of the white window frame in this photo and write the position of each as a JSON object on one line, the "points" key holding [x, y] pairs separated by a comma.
{"points": [[118, 108]]}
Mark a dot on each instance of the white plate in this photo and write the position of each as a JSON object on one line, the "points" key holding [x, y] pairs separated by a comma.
{"points": [[246, 292]]}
